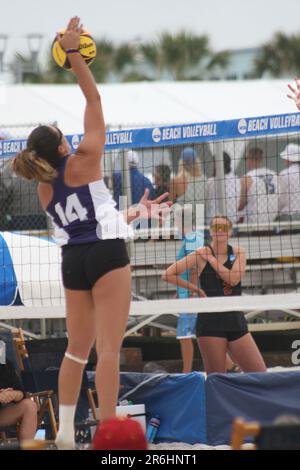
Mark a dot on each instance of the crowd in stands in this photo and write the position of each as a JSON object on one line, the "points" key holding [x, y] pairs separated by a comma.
{"points": [[260, 196]]}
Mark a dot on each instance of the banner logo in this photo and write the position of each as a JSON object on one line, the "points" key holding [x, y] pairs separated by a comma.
{"points": [[242, 126], [156, 135]]}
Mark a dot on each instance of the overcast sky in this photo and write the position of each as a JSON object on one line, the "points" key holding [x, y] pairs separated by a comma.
{"points": [[229, 23]]}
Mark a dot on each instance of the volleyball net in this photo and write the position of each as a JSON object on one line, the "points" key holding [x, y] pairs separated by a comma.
{"points": [[246, 169]]}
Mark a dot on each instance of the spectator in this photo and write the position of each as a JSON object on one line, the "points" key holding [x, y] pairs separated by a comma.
{"points": [[259, 190], [232, 192], [188, 186], [138, 181], [289, 184], [186, 324], [20, 208], [14, 407], [162, 178], [220, 268]]}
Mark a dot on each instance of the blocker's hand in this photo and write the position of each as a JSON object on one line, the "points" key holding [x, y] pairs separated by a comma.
{"points": [[71, 37], [155, 208], [205, 253], [295, 96]]}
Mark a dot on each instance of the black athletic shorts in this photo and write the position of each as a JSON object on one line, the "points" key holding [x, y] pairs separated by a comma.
{"points": [[83, 265], [229, 325]]}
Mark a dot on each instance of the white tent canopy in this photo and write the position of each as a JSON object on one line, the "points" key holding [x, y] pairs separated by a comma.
{"points": [[145, 103]]}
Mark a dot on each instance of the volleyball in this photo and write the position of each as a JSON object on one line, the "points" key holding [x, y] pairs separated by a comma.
{"points": [[87, 49], [119, 434]]}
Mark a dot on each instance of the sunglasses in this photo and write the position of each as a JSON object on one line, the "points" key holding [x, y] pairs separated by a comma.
{"points": [[220, 228], [60, 135]]}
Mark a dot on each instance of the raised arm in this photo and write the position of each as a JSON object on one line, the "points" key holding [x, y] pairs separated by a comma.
{"points": [[93, 141]]}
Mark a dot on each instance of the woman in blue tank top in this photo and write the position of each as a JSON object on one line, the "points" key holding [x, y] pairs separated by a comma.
{"points": [[92, 234], [220, 269]]}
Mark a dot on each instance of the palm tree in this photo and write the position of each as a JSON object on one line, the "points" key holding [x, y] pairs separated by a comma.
{"points": [[279, 57], [182, 56], [219, 59], [124, 55], [103, 64]]}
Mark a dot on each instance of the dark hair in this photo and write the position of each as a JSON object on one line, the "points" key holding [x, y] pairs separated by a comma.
{"points": [[41, 157], [227, 164], [255, 153], [164, 171]]}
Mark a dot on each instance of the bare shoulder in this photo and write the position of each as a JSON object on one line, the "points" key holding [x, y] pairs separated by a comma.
{"points": [[239, 250], [201, 262]]}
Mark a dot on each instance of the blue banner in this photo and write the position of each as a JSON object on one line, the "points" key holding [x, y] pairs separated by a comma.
{"points": [[181, 134]]}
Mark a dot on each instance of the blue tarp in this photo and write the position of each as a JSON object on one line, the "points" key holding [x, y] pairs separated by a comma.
{"points": [[8, 281], [261, 397], [178, 399]]}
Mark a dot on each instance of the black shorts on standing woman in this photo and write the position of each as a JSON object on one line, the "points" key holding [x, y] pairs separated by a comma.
{"points": [[229, 325]]}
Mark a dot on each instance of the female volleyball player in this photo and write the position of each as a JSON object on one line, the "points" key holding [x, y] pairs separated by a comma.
{"points": [[220, 268], [92, 233]]}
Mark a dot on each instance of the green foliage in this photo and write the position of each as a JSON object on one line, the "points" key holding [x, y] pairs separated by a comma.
{"points": [[279, 57], [181, 56]]}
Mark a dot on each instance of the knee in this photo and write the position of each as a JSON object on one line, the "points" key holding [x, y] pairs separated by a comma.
{"points": [[107, 353], [29, 407], [81, 352]]}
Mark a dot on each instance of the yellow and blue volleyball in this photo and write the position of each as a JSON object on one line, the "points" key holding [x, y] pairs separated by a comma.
{"points": [[87, 49]]}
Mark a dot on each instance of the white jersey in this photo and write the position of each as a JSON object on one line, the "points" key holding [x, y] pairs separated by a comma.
{"points": [[232, 197], [86, 213], [289, 190], [262, 197]]}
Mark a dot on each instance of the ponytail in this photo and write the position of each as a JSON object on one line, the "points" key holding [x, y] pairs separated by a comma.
{"points": [[41, 157], [29, 165]]}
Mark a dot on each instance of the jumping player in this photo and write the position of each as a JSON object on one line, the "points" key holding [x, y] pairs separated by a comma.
{"points": [[92, 234]]}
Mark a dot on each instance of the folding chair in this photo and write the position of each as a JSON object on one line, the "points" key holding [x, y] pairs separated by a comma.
{"points": [[267, 437], [17, 353], [45, 362], [240, 430]]}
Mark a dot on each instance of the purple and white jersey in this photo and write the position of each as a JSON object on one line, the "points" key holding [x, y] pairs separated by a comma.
{"points": [[84, 214]]}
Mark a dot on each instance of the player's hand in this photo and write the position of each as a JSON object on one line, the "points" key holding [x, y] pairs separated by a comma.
{"points": [[295, 95], [155, 208], [199, 293], [71, 37], [205, 253]]}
